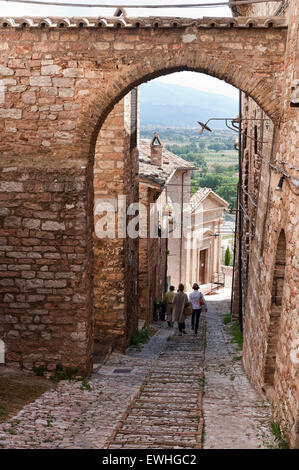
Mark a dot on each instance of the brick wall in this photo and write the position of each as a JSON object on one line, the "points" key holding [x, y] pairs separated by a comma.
{"points": [[61, 83], [271, 332], [45, 279], [116, 258], [152, 257]]}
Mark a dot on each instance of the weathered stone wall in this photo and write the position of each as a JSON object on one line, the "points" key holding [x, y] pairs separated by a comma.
{"points": [[143, 271], [115, 257], [271, 333], [152, 256], [61, 83], [45, 278]]}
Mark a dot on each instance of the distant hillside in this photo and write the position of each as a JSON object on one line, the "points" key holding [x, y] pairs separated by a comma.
{"points": [[179, 106]]}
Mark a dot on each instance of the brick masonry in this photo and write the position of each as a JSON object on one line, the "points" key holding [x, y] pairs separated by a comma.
{"points": [[115, 258], [61, 83], [45, 278], [271, 328]]}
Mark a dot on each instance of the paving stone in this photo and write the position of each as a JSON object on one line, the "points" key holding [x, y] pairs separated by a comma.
{"points": [[158, 404]]}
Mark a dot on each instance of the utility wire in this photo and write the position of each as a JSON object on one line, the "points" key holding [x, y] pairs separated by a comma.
{"points": [[249, 195], [180, 5], [187, 185], [246, 215]]}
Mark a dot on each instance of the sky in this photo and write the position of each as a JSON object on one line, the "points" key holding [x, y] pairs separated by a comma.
{"points": [[15, 9], [192, 79]]}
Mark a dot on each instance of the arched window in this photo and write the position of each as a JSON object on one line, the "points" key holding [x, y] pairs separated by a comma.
{"points": [[276, 304]]}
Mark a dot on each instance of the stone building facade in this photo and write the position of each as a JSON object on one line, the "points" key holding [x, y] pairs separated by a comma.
{"points": [[204, 249], [159, 170], [267, 276]]}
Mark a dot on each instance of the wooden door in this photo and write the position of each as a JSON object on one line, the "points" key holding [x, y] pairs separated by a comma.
{"points": [[202, 266]]}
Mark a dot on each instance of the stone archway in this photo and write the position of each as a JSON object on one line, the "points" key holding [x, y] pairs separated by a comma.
{"points": [[73, 87], [60, 86]]}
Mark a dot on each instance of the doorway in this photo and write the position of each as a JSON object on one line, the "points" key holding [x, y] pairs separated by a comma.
{"points": [[203, 256]]}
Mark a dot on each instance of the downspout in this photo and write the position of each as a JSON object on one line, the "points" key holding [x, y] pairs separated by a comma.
{"points": [[166, 261], [234, 266], [182, 219], [240, 214]]}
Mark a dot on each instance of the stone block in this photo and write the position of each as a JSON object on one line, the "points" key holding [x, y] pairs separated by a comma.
{"points": [[53, 226], [5, 71], [50, 69], [10, 113], [40, 81]]}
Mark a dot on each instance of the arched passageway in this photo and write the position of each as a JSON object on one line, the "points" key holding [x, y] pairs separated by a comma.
{"points": [[80, 81], [59, 115]]}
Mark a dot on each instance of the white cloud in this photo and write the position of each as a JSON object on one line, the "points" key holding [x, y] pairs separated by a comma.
{"points": [[201, 82]]}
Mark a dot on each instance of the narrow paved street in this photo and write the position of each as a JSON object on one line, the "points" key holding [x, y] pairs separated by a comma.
{"points": [[168, 410], [177, 392], [234, 414]]}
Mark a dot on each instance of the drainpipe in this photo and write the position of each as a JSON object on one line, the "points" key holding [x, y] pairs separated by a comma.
{"points": [[166, 261], [181, 240], [235, 246], [240, 214]]}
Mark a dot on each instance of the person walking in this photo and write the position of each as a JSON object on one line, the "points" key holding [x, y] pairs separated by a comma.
{"points": [[168, 299], [180, 301], [198, 301]]}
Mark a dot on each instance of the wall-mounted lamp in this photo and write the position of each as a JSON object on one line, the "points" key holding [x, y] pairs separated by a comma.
{"points": [[280, 183], [236, 144]]}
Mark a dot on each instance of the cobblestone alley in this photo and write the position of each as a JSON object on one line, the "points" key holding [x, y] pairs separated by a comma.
{"points": [[177, 392]]}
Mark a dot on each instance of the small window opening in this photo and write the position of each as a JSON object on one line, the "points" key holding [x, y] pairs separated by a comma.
{"points": [[2, 352], [255, 140]]}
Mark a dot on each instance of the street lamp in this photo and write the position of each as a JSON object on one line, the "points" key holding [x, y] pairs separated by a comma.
{"points": [[233, 127]]}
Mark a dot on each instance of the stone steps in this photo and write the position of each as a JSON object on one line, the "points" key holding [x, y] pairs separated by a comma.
{"points": [[167, 411]]}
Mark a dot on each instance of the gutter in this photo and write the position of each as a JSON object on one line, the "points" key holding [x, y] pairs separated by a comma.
{"points": [[178, 168]]}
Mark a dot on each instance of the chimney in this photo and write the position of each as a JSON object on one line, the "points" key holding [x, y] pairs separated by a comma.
{"points": [[156, 150]]}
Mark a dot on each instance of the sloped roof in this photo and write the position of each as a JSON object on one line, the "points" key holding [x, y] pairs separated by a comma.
{"points": [[201, 194], [155, 173]]}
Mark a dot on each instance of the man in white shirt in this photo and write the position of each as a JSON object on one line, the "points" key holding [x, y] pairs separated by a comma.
{"points": [[198, 301]]}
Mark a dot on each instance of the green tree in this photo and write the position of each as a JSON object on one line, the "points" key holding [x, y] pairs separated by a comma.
{"points": [[227, 257]]}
